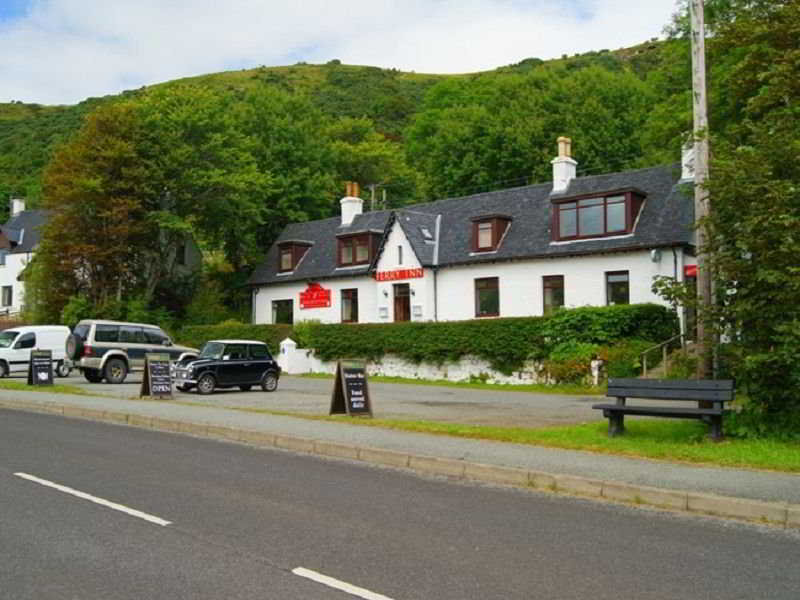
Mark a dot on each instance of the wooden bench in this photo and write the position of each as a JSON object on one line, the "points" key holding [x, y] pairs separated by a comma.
{"points": [[710, 396]]}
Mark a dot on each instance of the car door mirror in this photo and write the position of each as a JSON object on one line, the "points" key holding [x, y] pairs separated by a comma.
{"points": [[226, 357], [167, 342]]}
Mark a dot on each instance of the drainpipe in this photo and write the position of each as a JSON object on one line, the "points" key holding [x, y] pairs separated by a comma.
{"points": [[436, 269]]}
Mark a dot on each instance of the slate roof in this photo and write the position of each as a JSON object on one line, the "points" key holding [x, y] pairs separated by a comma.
{"points": [[23, 230], [665, 219], [319, 260]]}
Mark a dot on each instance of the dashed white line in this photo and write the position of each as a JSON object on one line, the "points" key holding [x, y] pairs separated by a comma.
{"points": [[338, 585], [95, 499]]}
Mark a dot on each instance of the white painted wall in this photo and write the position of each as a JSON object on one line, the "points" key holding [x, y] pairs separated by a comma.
{"points": [[421, 287], [333, 314], [9, 272], [520, 285], [296, 361]]}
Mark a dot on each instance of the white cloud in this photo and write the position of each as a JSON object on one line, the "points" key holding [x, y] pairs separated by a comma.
{"points": [[63, 51]]}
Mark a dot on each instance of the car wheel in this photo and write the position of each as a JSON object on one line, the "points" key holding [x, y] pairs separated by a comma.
{"points": [[62, 370], [92, 375], [270, 382], [206, 384], [245, 388], [3, 369], [115, 370]]}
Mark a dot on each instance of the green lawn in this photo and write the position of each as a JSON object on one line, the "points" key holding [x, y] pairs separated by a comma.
{"points": [[657, 439], [52, 389]]}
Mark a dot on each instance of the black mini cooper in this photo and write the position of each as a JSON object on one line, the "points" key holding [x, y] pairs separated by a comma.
{"points": [[227, 364]]}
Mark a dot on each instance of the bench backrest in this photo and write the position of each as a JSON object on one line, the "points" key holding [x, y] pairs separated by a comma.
{"points": [[716, 390]]}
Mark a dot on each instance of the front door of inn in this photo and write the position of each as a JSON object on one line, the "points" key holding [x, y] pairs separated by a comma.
{"points": [[402, 302]]}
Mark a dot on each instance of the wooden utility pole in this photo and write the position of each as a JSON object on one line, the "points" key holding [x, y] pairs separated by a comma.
{"points": [[701, 196]]}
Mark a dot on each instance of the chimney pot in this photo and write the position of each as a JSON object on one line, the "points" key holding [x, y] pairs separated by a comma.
{"points": [[351, 204], [564, 147]]}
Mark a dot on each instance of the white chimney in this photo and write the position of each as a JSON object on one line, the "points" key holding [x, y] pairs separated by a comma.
{"points": [[351, 204], [17, 206], [563, 166], [687, 161]]}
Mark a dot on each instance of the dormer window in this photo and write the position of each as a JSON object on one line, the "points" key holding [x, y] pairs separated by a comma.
{"points": [[596, 216], [290, 254], [488, 232], [357, 249]]}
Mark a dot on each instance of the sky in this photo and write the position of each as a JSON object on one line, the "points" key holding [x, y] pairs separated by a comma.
{"points": [[63, 51]]}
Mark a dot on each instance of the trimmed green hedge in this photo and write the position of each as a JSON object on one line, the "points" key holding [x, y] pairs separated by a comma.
{"points": [[505, 343], [197, 335]]}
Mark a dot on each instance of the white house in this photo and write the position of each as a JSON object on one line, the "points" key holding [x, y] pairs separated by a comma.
{"points": [[19, 237], [517, 252]]}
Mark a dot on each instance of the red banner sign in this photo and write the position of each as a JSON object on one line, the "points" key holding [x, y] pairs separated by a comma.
{"points": [[690, 270], [399, 274], [315, 296]]}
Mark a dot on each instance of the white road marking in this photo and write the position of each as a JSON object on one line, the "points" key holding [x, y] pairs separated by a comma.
{"points": [[95, 499], [339, 585]]}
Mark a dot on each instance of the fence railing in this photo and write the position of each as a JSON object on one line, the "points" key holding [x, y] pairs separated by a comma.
{"points": [[664, 346]]}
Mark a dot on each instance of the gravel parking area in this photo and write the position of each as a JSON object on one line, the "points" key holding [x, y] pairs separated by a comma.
{"points": [[394, 401]]}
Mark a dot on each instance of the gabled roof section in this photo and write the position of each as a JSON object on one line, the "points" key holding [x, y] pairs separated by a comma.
{"points": [[666, 219], [319, 261], [414, 224], [24, 230]]}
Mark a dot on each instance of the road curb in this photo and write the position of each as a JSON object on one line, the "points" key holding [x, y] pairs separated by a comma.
{"points": [[778, 514]]}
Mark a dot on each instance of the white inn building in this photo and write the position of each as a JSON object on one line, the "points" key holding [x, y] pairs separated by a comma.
{"points": [[517, 252]]}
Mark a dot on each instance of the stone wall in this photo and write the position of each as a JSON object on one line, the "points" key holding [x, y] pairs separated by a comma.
{"points": [[295, 361]]}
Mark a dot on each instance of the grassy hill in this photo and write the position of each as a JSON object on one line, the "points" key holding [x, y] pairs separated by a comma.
{"points": [[30, 132]]}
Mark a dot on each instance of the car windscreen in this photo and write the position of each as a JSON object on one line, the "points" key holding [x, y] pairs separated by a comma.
{"points": [[7, 338], [212, 350]]}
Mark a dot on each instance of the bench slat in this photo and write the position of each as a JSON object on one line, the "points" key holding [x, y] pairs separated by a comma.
{"points": [[670, 394], [659, 411], [680, 384]]}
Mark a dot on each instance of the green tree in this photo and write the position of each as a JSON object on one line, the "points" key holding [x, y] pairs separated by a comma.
{"points": [[362, 154], [289, 143], [755, 194], [500, 131]]}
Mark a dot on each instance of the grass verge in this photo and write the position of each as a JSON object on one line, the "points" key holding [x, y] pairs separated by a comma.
{"points": [[569, 389], [656, 439], [51, 389]]}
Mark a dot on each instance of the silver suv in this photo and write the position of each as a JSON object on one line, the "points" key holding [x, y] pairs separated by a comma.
{"points": [[111, 349]]}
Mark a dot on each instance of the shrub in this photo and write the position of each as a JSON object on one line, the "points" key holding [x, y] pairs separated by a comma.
{"points": [[623, 359], [569, 362]]}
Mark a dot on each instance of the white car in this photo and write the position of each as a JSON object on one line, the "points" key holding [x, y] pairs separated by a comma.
{"points": [[16, 345]]}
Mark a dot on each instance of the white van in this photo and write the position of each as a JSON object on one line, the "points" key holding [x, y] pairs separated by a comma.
{"points": [[16, 345]]}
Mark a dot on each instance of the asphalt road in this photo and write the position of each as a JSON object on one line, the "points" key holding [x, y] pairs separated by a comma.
{"points": [[243, 521], [389, 400]]}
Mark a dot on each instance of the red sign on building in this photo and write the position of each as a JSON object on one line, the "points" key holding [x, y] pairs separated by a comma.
{"points": [[315, 296], [399, 274], [690, 271]]}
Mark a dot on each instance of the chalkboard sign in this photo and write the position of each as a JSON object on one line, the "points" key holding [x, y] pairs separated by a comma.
{"points": [[157, 379], [350, 392], [40, 368]]}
